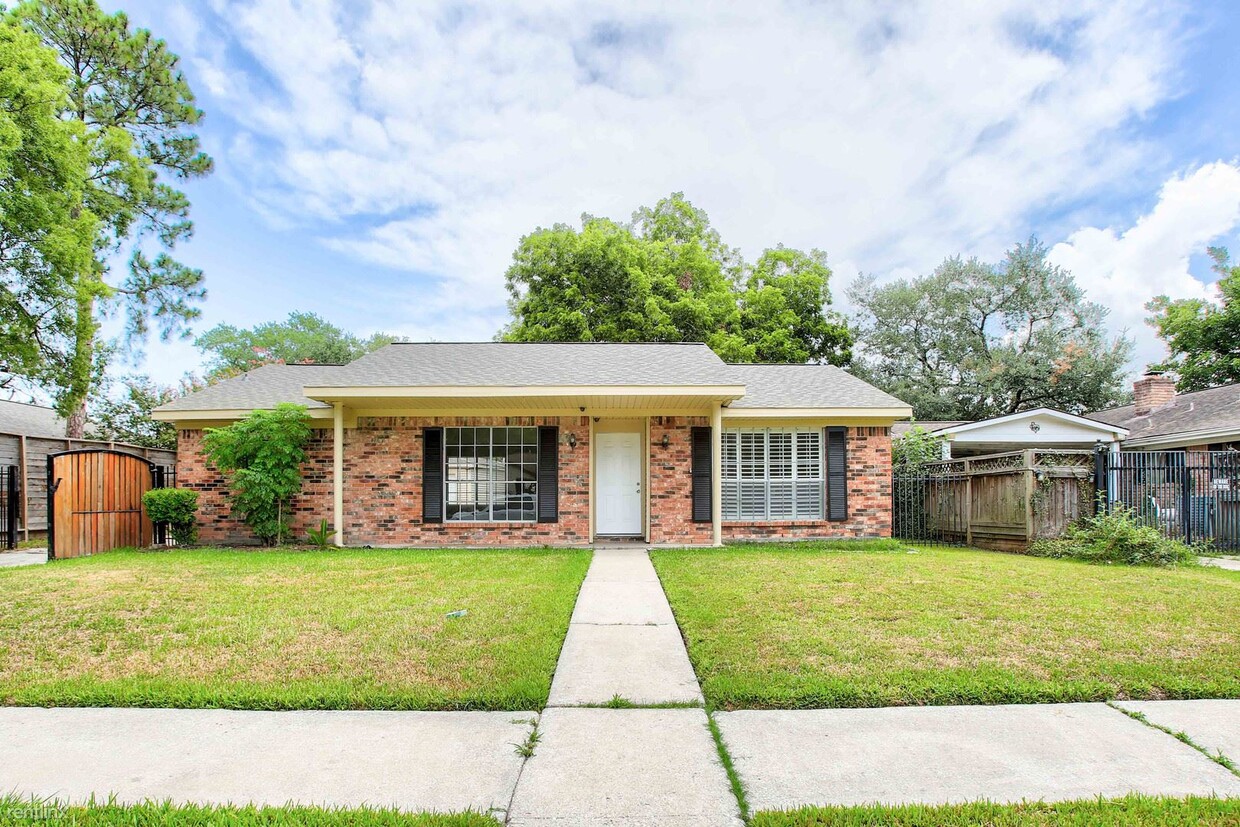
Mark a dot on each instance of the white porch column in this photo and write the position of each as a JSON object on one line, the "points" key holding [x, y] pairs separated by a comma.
{"points": [[716, 474], [338, 471]]}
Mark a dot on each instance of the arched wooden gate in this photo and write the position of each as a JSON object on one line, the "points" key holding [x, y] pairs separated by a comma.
{"points": [[94, 501]]}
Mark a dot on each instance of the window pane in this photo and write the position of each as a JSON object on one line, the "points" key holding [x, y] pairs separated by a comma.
{"points": [[781, 506], [753, 455], [491, 475], [809, 499], [809, 455]]}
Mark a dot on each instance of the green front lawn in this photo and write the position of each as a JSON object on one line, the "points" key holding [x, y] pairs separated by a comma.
{"points": [[348, 629], [17, 810], [1138, 811], [812, 626]]}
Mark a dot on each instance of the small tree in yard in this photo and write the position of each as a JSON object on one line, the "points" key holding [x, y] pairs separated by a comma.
{"points": [[261, 456], [916, 448]]}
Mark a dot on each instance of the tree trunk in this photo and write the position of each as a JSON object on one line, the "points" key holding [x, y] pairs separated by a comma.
{"points": [[81, 366]]}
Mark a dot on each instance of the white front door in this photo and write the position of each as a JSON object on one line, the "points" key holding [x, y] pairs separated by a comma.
{"points": [[618, 480]]}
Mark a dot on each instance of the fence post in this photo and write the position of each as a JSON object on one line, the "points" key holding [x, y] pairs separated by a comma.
{"points": [[1102, 497], [1186, 500]]}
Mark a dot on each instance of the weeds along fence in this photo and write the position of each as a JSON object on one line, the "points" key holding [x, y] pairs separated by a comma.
{"points": [[1006, 501]]}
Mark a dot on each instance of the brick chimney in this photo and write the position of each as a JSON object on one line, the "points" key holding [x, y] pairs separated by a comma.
{"points": [[1152, 391]]}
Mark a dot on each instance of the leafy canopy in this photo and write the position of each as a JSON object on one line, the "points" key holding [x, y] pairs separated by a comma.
{"points": [[667, 276], [304, 338], [133, 114], [125, 416], [974, 340], [1202, 337], [261, 458], [915, 448], [44, 235]]}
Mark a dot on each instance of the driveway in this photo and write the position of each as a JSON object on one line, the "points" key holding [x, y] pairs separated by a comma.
{"points": [[23, 557]]}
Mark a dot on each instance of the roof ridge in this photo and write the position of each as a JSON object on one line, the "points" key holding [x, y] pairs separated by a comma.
{"points": [[29, 405]]}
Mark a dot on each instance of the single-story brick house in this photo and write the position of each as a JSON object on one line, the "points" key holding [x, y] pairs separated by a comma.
{"points": [[532, 444]]}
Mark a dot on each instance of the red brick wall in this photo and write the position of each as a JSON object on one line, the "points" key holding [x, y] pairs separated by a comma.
{"points": [[671, 482], [869, 497], [383, 488], [383, 491]]}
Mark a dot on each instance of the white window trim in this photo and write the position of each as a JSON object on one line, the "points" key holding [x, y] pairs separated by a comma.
{"points": [[820, 479], [448, 483]]}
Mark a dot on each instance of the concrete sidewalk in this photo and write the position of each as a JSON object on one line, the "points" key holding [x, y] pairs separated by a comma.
{"points": [[411, 760], [950, 754]]}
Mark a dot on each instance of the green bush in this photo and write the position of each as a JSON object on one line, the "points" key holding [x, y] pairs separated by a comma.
{"points": [[1117, 536], [261, 457], [178, 507]]}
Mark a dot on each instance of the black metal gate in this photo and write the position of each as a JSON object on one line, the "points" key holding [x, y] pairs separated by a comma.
{"points": [[10, 498]]}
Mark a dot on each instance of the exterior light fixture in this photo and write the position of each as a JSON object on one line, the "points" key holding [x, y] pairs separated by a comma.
{"points": [[572, 440], [666, 440]]}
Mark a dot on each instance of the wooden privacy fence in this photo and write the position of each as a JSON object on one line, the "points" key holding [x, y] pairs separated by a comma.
{"points": [[95, 502], [998, 501], [30, 453]]}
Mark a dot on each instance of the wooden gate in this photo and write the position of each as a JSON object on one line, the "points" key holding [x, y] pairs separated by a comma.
{"points": [[94, 502]]}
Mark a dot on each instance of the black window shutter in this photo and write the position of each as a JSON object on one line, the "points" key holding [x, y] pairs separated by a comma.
{"points": [[837, 473], [548, 474], [432, 475], [700, 456]]}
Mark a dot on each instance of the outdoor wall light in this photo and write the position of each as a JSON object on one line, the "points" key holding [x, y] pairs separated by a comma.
{"points": [[666, 440], [572, 440]]}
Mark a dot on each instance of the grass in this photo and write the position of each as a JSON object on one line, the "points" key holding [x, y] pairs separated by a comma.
{"points": [[1135, 810], [16, 810], [802, 626], [348, 629]]}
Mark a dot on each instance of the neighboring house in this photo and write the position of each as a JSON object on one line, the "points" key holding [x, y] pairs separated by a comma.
{"points": [[1042, 428], [527, 444], [28, 434], [1159, 419]]}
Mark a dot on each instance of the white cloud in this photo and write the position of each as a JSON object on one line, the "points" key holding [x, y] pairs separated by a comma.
{"points": [[431, 137], [1124, 270]]}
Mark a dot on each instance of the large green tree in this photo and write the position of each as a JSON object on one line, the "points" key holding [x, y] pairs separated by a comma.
{"points": [[303, 338], [135, 114], [44, 235], [1203, 337], [667, 276], [124, 413], [973, 340]]}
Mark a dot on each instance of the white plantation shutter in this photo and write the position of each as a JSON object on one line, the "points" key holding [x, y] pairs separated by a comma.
{"points": [[772, 474]]}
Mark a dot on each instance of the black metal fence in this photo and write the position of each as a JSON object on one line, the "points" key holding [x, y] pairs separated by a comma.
{"points": [[10, 499], [1188, 495], [165, 477], [928, 505]]}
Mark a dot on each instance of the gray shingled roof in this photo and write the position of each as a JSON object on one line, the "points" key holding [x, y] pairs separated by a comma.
{"points": [[29, 420], [806, 386], [1208, 410], [537, 364], [483, 364], [262, 387]]}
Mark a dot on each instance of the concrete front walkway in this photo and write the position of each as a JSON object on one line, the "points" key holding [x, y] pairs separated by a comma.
{"points": [[622, 640], [632, 767]]}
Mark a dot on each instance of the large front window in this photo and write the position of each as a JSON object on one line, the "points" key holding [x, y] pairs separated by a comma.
{"points": [[772, 474], [491, 474]]}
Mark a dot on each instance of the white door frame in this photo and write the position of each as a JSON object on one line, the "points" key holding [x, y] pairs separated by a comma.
{"points": [[637, 528]]}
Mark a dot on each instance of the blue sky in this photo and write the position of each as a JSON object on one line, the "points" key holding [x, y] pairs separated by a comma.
{"points": [[378, 161]]}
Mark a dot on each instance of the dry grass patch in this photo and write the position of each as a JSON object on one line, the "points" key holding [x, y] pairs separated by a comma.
{"points": [[351, 629], [802, 626]]}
